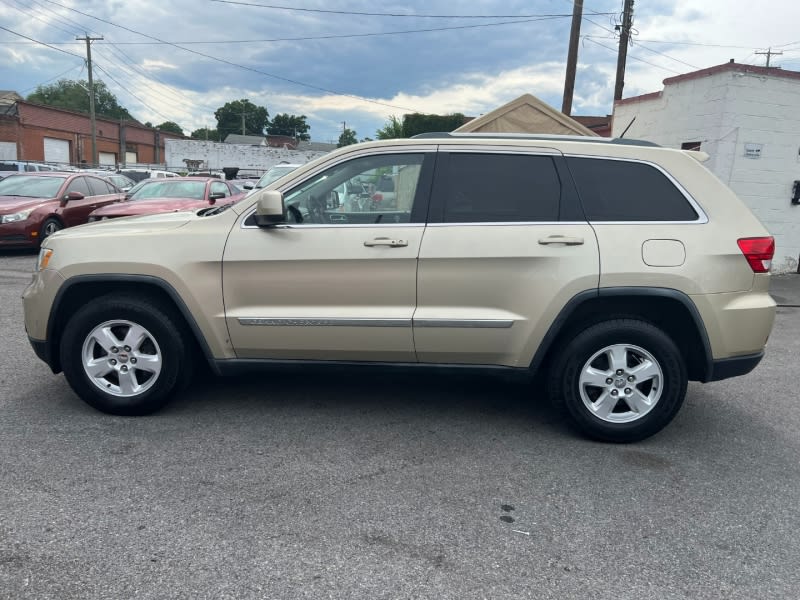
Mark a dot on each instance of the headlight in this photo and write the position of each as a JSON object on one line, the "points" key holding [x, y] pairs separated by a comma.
{"points": [[14, 218], [45, 254]]}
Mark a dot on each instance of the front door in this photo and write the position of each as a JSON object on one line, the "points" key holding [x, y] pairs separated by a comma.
{"points": [[338, 282]]}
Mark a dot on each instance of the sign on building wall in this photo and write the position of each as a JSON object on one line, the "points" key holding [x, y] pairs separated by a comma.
{"points": [[752, 150]]}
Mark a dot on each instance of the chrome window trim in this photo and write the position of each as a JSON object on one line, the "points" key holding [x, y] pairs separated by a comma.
{"points": [[701, 219], [329, 226]]}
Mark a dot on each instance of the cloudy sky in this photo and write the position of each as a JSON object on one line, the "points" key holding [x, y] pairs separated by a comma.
{"points": [[360, 62]]}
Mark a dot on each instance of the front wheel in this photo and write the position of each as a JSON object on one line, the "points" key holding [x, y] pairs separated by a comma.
{"points": [[621, 381], [124, 356]]}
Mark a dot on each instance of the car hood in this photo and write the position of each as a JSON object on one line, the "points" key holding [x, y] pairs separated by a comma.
{"points": [[150, 206], [133, 225], [12, 204]]}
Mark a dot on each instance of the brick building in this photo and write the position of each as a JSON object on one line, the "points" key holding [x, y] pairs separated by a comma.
{"points": [[35, 132]]}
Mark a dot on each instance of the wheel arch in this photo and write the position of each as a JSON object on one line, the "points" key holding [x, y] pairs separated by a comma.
{"points": [[669, 309], [76, 291]]}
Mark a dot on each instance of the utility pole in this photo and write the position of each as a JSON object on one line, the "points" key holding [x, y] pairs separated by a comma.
{"points": [[243, 114], [572, 56], [92, 118], [769, 54], [624, 37]]}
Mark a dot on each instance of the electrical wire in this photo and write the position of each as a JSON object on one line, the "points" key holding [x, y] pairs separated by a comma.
{"points": [[33, 87], [329, 37], [41, 43], [635, 57], [372, 14]]}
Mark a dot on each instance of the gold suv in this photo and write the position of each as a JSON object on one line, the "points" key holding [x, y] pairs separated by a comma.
{"points": [[617, 269]]}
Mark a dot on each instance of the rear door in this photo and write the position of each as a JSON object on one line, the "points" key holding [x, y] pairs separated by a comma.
{"points": [[506, 247]]}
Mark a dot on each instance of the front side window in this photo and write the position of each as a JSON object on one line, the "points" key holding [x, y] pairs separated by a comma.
{"points": [[377, 189], [79, 185], [618, 190], [499, 188]]}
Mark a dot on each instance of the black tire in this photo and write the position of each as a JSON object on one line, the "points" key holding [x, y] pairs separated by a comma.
{"points": [[628, 417], [49, 227], [162, 343]]}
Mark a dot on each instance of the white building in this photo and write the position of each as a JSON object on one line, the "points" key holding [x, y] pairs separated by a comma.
{"points": [[216, 156], [747, 119]]}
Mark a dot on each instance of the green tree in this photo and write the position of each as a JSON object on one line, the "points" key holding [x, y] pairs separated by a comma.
{"points": [[74, 95], [393, 128], [204, 133], [348, 137], [170, 126], [417, 123], [290, 125], [229, 118]]}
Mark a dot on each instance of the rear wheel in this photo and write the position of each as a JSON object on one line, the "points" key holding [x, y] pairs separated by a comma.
{"points": [[621, 380], [124, 356]]}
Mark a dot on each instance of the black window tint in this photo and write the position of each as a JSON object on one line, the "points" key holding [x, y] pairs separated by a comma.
{"points": [[98, 186], [500, 188], [616, 190], [79, 185]]}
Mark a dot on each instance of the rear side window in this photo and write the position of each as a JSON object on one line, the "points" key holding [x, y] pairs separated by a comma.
{"points": [[499, 188], [618, 190]]}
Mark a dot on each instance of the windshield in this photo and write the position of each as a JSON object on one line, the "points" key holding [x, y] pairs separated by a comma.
{"points": [[31, 186], [195, 190], [273, 174]]}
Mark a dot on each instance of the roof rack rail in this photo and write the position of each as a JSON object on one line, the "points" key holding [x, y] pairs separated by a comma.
{"points": [[535, 136]]}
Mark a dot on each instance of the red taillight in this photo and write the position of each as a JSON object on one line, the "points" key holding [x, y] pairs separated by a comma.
{"points": [[377, 197], [759, 252]]}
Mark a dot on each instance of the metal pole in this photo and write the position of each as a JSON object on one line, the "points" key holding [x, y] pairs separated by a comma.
{"points": [[624, 36], [572, 56], [92, 117]]}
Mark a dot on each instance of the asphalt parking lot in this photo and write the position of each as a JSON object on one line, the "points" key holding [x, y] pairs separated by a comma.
{"points": [[353, 484]]}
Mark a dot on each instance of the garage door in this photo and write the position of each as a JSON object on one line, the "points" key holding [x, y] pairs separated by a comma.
{"points": [[8, 150], [56, 150], [130, 158], [107, 158]]}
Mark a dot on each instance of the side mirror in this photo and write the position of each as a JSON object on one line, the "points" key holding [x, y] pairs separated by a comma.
{"points": [[248, 186], [74, 196], [269, 208], [212, 198]]}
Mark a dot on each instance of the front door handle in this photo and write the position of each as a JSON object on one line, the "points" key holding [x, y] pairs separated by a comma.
{"points": [[382, 241], [561, 239]]}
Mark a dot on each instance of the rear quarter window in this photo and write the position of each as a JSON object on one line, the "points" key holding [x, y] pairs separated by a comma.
{"points": [[620, 190]]}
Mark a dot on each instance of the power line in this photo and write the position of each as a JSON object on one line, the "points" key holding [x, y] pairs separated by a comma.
{"points": [[41, 43], [326, 37], [227, 62], [372, 14], [33, 87], [142, 102], [634, 57]]}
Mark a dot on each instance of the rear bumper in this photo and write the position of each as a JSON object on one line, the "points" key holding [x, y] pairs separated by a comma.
{"points": [[725, 368]]}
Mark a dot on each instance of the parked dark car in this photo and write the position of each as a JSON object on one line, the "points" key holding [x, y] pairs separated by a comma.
{"points": [[35, 205], [170, 195]]}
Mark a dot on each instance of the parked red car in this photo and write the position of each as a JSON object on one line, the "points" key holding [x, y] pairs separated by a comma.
{"points": [[35, 205], [170, 195]]}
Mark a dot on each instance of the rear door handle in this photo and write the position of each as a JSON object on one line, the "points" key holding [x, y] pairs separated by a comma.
{"points": [[561, 239], [382, 241]]}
